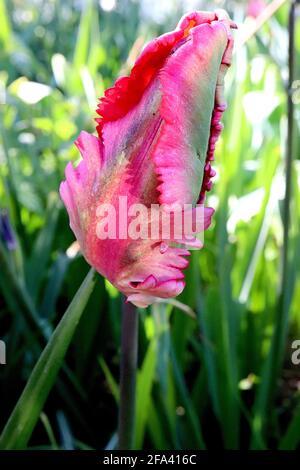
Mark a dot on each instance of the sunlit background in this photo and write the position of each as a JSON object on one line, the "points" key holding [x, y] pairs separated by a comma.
{"points": [[215, 368]]}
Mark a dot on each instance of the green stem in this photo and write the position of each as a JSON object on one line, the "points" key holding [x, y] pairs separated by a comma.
{"points": [[129, 347], [280, 334], [283, 307], [272, 366]]}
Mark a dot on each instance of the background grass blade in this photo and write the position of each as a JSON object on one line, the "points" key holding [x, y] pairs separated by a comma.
{"points": [[291, 438], [144, 388]]}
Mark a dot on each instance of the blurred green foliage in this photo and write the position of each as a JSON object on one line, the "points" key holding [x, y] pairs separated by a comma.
{"points": [[209, 382]]}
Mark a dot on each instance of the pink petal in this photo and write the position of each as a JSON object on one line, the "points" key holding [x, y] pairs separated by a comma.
{"points": [[157, 133]]}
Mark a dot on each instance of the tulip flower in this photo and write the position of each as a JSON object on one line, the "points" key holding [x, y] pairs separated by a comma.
{"points": [[157, 131], [255, 8]]}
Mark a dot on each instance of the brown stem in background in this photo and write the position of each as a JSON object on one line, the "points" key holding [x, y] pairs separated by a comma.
{"points": [[129, 347]]}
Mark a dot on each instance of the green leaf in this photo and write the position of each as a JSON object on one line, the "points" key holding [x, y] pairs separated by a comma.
{"points": [[114, 388], [42, 248], [83, 37], [48, 428], [193, 420], [291, 438], [5, 28], [144, 388], [23, 419], [56, 277]]}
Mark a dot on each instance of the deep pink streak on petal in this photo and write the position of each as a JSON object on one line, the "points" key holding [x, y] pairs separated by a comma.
{"points": [[174, 156], [127, 91]]}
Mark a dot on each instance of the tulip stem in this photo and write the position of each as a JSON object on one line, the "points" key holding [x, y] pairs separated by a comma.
{"points": [[129, 348], [280, 334], [285, 278]]}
